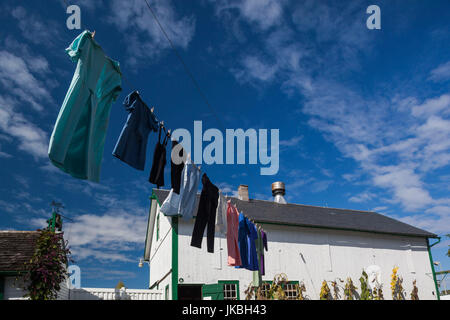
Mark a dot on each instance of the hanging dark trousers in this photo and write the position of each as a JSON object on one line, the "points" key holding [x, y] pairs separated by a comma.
{"points": [[206, 215]]}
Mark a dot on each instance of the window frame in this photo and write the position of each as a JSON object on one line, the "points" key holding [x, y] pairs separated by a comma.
{"points": [[292, 282], [230, 282]]}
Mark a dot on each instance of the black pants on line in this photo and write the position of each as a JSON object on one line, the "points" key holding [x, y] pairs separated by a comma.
{"points": [[206, 215]]}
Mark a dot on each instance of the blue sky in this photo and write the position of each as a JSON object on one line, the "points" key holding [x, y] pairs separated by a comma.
{"points": [[363, 114]]}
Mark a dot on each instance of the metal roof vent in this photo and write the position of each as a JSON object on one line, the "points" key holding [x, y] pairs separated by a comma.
{"points": [[243, 192], [278, 191]]}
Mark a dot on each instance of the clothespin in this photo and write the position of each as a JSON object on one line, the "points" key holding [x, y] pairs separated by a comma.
{"points": [[162, 123], [152, 109], [93, 34]]}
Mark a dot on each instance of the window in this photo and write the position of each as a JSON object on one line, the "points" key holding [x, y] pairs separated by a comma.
{"points": [[265, 289], [223, 290], [289, 289], [230, 291]]}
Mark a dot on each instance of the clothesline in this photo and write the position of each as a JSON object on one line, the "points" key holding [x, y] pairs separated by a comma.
{"points": [[72, 139], [251, 219]]}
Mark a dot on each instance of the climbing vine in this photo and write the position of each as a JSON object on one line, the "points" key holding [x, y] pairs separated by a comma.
{"points": [[47, 268]]}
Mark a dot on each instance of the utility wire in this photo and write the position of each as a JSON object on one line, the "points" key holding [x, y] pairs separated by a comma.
{"points": [[180, 58], [188, 71]]}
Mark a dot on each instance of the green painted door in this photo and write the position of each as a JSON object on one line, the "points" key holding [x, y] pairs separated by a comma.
{"points": [[215, 291]]}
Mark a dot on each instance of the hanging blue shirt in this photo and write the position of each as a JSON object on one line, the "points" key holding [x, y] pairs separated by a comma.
{"points": [[252, 253], [247, 234], [242, 240], [131, 147]]}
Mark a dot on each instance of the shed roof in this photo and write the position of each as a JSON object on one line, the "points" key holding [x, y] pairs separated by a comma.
{"points": [[16, 248], [317, 217]]}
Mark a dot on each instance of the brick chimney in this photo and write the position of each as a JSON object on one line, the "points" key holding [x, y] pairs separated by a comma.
{"points": [[243, 192]]}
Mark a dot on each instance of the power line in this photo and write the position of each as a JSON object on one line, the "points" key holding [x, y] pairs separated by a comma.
{"points": [[188, 71]]}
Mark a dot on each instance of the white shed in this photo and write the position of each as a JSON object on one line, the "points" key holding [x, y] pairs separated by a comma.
{"points": [[309, 244]]}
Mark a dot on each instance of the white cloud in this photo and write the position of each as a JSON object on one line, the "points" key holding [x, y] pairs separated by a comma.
{"points": [[396, 140], [433, 106], [405, 184], [17, 78], [253, 68], [436, 224], [262, 13], [4, 154], [292, 142], [441, 73], [29, 137], [107, 237], [143, 35], [362, 197], [34, 28], [380, 209]]}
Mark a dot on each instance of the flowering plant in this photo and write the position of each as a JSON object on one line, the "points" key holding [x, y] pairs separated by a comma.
{"points": [[46, 270]]}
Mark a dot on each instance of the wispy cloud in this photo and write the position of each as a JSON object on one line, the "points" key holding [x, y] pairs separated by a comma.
{"points": [[17, 78], [145, 38], [110, 236], [30, 138], [292, 142], [362, 197], [34, 28], [441, 73], [263, 13], [397, 139]]}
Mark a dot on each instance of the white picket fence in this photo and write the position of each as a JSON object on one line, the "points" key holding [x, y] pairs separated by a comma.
{"points": [[114, 294]]}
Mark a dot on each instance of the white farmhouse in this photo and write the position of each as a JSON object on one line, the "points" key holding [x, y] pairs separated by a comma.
{"points": [[309, 244]]}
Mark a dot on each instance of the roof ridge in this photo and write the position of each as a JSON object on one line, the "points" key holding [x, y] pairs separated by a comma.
{"points": [[293, 204]]}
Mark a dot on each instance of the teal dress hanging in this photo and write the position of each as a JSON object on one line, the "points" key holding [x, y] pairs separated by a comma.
{"points": [[78, 138]]}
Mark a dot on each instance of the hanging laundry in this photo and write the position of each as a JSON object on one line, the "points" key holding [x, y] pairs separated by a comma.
{"points": [[234, 256], [159, 161], [206, 215], [252, 236], [171, 205], [247, 234], [78, 137], [261, 244], [243, 232], [221, 215], [176, 169], [190, 179], [183, 204], [131, 147]]}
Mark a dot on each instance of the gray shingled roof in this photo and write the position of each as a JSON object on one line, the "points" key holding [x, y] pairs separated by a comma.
{"points": [[318, 217], [16, 248]]}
